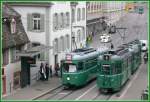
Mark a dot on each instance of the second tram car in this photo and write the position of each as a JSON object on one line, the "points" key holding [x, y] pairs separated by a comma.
{"points": [[80, 66], [116, 66]]}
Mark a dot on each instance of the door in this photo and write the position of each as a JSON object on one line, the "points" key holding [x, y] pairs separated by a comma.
{"points": [[56, 59], [25, 72], [4, 85]]}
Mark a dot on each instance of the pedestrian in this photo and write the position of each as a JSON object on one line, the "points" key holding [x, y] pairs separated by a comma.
{"points": [[87, 43], [47, 71], [50, 70], [56, 69], [111, 46], [92, 34], [42, 71]]}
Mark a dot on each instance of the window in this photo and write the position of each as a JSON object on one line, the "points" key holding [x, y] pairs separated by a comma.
{"points": [[55, 21], [62, 44], [5, 57], [83, 13], [83, 34], [72, 68], [80, 65], [68, 41], [95, 6], [79, 36], [119, 70], [88, 7], [106, 69], [13, 26], [62, 20], [67, 19], [78, 14], [90, 63], [92, 7], [36, 21], [73, 15]]}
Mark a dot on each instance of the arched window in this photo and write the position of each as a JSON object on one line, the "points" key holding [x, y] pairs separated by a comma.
{"points": [[62, 43], [83, 33], [55, 21], [62, 21], [68, 41], [73, 15], [83, 14], [78, 14], [13, 26], [67, 19], [91, 7]]}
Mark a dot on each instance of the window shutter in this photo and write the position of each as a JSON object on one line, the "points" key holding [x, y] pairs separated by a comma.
{"points": [[29, 22], [42, 23]]}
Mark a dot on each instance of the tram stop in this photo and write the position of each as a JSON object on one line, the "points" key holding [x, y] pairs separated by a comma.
{"points": [[29, 64]]}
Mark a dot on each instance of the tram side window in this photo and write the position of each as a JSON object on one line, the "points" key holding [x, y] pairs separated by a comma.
{"points": [[90, 63], [118, 68], [80, 65], [106, 69]]}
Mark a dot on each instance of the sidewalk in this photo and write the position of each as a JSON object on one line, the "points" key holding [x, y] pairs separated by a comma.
{"points": [[33, 91]]}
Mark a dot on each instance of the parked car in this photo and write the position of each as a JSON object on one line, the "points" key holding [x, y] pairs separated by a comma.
{"points": [[144, 45], [105, 38]]}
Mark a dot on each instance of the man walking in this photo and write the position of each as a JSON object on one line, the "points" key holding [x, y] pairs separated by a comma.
{"points": [[50, 70], [47, 71]]}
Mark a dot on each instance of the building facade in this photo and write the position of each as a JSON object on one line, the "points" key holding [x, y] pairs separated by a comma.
{"points": [[60, 25], [14, 39], [50, 24]]}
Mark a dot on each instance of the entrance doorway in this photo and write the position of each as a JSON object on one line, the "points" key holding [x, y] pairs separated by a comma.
{"points": [[56, 59]]}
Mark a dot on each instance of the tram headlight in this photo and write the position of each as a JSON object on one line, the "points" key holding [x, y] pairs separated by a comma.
{"points": [[68, 78]]}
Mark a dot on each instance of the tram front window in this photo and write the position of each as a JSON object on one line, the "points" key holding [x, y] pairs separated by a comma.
{"points": [[106, 69], [69, 67]]}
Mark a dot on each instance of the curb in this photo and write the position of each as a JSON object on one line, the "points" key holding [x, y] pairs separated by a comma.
{"points": [[42, 94]]}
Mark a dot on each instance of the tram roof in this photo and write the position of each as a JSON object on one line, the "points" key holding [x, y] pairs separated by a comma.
{"points": [[85, 53]]}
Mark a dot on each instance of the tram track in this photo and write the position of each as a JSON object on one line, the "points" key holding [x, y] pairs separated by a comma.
{"points": [[60, 95], [101, 96], [49, 92]]}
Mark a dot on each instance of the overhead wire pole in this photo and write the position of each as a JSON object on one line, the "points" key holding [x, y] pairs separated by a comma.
{"points": [[122, 36]]}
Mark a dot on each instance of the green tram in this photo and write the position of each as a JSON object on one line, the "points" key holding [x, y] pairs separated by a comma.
{"points": [[135, 48], [80, 66], [116, 66]]}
